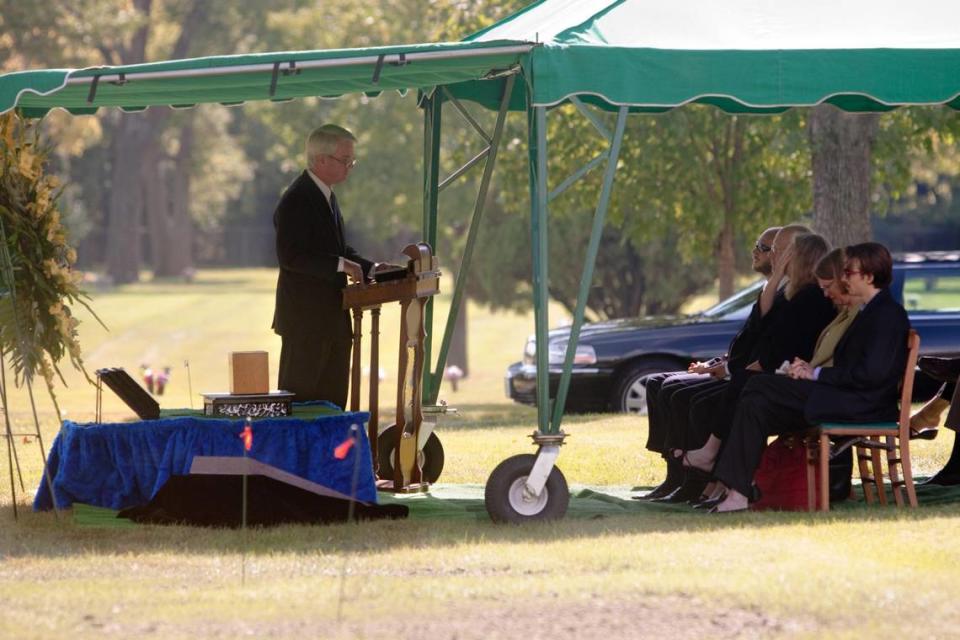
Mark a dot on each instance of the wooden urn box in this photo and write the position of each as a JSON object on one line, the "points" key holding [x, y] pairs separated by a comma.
{"points": [[249, 372], [250, 394]]}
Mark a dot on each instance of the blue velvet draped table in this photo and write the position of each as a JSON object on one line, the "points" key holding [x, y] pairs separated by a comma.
{"points": [[121, 465]]}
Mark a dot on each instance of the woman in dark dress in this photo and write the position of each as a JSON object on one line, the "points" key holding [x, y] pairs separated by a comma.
{"points": [[793, 334], [862, 385]]}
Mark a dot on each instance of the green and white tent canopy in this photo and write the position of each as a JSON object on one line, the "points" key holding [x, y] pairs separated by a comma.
{"points": [[740, 55], [744, 56], [278, 76]]}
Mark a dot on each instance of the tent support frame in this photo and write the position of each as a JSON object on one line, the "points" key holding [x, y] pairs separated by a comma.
{"points": [[549, 437], [432, 120], [550, 411], [586, 276], [432, 187]]}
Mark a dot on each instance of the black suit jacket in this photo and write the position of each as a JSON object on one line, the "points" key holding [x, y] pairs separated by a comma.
{"points": [[868, 363], [794, 332], [310, 243], [743, 344]]}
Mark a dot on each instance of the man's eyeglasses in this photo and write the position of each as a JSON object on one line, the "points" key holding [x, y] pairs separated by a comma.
{"points": [[762, 248], [349, 163], [851, 272]]}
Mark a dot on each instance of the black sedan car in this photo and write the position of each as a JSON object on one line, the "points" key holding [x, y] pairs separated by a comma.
{"points": [[612, 356]]}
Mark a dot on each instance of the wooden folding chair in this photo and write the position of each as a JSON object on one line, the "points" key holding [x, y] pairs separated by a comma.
{"points": [[829, 439]]}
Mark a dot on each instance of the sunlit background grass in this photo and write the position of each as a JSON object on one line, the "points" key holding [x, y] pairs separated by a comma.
{"points": [[801, 575]]}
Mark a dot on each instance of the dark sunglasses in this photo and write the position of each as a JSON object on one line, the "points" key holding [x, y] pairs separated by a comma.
{"points": [[762, 248]]}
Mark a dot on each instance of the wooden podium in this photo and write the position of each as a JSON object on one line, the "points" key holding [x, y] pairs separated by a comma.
{"points": [[412, 289]]}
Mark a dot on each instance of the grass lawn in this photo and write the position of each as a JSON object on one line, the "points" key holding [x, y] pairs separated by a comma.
{"points": [[851, 573]]}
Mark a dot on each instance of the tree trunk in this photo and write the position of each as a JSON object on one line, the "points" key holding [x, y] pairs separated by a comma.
{"points": [[726, 258], [137, 185], [167, 188], [179, 247], [728, 157], [841, 145], [154, 203], [126, 199]]}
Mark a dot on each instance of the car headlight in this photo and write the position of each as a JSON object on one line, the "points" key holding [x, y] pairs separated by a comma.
{"points": [[530, 351], [585, 354]]}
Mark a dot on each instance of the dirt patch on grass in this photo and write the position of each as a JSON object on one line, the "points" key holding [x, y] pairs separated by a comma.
{"points": [[587, 618], [597, 618]]}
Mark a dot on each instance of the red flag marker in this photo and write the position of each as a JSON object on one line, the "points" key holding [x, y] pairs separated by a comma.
{"points": [[247, 436], [344, 448]]}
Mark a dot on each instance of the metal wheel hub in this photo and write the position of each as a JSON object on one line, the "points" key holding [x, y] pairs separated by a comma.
{"points": [[522, 502], [635, 398]]}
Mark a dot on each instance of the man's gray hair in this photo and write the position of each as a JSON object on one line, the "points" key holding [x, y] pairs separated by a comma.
{"points": [[324, 139]]}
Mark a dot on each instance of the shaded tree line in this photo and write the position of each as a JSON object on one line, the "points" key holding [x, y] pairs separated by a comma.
{"points": [[163, 188]]}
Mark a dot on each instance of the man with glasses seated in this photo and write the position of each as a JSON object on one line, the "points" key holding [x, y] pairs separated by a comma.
{"points": [[315, 262]]}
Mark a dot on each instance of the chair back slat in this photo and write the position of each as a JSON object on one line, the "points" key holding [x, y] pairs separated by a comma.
{"points": [[906, 392], [868, 455]]}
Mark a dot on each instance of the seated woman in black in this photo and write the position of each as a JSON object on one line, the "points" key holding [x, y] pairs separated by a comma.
{"points": [[793, 334], [860, 386]]}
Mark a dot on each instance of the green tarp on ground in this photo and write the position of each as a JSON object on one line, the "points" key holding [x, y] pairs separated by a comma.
{"points": [[465, 502]]}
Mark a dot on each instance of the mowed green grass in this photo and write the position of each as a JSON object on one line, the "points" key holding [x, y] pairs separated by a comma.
{"points": [[878, 572]]}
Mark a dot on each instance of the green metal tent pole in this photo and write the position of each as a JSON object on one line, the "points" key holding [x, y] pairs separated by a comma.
{"points": [[586, 277], [464, 270], [537, 147], [432, 112]]}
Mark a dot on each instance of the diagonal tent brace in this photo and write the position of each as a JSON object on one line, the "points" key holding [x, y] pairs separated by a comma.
{"points": [[537, 150], [432, 188], [586, 277], [550, 411], [594, 162]]}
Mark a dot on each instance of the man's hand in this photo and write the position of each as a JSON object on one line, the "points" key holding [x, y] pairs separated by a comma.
{"points": [[698, 367], [715, 367], [353, 270], [800, 370], [782, 260]]}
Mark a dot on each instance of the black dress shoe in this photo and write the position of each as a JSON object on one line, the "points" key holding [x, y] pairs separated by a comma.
{"points": [[710, 504], [691, 488], [945, 369], [665, 488]]}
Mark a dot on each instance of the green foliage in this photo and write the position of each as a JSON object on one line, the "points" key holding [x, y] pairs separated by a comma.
{"points": [[37, 328], [682, 177], [914, 145], [694, 186]]}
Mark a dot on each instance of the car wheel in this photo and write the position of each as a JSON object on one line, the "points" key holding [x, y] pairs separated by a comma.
{"points": [[629, 394]]}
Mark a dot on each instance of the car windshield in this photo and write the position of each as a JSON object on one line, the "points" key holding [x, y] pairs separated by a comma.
{"points": [[739, 301]]}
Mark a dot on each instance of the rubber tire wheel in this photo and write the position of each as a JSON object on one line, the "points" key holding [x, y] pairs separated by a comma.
{"points": [[504, 484], [431, 464], [628, 391]]}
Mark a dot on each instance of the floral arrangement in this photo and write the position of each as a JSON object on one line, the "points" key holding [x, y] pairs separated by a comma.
{"points": [[37, 283]]}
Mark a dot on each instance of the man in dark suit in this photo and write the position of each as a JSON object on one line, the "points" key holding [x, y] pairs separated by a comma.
{"points": [[669, 394], [861, 386], [315, 261]]}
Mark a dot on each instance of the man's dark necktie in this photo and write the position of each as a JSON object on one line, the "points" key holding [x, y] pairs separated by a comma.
{"points": [[338, 218]]}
